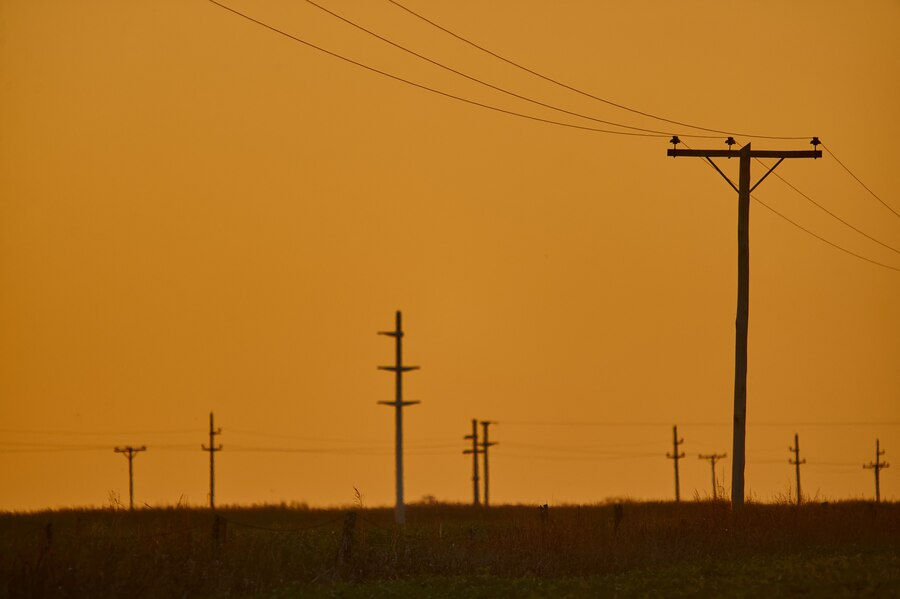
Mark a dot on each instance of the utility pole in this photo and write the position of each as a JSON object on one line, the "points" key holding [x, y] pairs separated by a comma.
{"points": [[877, 466], [398, 369], [130, 452], [796, 462], [212, 449], [474, 451], [713, 458], [676, 456], [484, 449], [744, 189]]}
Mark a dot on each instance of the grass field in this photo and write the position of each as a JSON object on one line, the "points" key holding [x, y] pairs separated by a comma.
{"points": [[845, 549]]}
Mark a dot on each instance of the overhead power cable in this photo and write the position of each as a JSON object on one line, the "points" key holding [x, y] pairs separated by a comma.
{"points": [[819, 237], [822, 239], [858, 180], [490, 85], [582, 92], [832, 214], [427, 88], [13, 431]]}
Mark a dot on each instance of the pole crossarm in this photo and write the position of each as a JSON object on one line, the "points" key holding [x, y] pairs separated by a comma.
{"points": [[674, 153]]}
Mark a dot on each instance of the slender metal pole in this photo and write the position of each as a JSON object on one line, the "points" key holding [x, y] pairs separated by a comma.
{"points": [[398, 432], [212, 464], [796, 462], [474, 451], [485, 445], [713, 458], [398, 403], [130, 480], [212, 449], [877, 466], [675, 455], [129, 453]]}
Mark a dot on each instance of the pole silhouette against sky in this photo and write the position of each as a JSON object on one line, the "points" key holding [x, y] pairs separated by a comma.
{"points": [[745, 155], [398, 369], [129, 453]]}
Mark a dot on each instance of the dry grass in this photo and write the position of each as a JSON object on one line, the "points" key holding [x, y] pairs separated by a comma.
{"points": [[176, 552]]}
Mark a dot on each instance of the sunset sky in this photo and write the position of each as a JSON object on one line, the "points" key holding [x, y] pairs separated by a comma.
{"points": [[198, 213]]}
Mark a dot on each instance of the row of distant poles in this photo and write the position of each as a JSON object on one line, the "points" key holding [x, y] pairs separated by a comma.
{"points": [[876, 466]]}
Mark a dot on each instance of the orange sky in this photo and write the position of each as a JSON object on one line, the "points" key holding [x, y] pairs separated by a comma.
{"points": [[198, 214]]}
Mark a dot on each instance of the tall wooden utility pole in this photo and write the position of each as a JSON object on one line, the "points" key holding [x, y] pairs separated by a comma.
{"points": [[474, 451], [485, 445], [877, 466], [796, 462], [676, 456], [713, 458], [744, 189], [398, 369], [212, 449], [130, 452]]}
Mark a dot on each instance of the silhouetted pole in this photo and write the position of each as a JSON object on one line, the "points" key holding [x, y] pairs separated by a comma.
{"points": [[676, 456], [740, 353], [484, 448], [796, 462], [877, 466], [130, 452], [713, 458], [398, 369], [474, 451], [212, 449]]}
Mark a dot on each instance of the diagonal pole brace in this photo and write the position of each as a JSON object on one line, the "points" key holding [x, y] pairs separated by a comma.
{"points": [[733, 186], [768, 172]]}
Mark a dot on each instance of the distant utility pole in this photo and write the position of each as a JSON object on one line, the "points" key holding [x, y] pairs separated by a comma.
{"points": [[676, 456], [485, 445], [212, 449], [474, 451], [713, 458], [130, 452], [398, 369], [796, 462], [877, 466], [744, 189]]}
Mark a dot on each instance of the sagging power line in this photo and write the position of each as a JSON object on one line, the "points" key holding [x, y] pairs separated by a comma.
{"points": [[582, 92]]}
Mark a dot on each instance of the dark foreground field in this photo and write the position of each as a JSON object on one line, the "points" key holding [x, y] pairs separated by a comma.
{"points": [[699, 549]]}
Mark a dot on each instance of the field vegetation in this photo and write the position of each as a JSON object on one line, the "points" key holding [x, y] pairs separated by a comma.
{"points": [[696, 548]]}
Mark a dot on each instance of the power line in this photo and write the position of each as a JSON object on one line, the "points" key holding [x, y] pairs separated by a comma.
{"points": [[183, 431], [832, 214], [822, 239], [427, 88], [490, 85], [582, 92], [858, 180], [809, 232]]}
